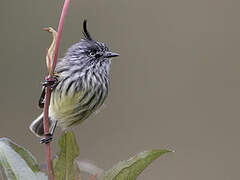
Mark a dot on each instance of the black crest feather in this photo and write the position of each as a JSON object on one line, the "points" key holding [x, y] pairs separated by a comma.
{"points": [[85, 31]]}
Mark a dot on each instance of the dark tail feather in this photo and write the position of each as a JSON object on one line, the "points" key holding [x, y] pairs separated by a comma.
{"points": [[37, 126]]}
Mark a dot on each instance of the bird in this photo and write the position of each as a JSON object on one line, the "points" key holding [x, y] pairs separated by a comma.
{"points": [[81, 85]]}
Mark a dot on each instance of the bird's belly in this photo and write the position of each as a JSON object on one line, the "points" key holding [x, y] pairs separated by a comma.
{"points": [[70, 109]]}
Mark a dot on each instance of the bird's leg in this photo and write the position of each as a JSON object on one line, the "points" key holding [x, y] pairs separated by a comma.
{"points": [[41, 99], [52, 82], [48, 137]]}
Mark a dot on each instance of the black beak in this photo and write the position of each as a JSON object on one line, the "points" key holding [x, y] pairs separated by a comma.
{"points": [[110, 54]]}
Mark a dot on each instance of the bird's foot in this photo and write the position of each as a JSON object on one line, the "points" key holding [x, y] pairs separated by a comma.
{"points": [[50, 82], [47, 139]]}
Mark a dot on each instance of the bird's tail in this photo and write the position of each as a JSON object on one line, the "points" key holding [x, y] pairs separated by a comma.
{"points": [[37, 126]]}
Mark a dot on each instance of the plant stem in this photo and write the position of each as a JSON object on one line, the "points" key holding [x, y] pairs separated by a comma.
{"points": [[46, 131], [59, 33], [48, 89]]}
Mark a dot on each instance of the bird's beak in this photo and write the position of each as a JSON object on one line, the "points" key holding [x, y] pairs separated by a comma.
{"points": [[110, 54]]}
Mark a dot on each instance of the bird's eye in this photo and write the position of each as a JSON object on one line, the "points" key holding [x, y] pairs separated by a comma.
{"points": [[92, 53]]}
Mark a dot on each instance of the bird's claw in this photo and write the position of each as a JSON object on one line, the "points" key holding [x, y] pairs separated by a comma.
{"points": [[50, 82], [47, 139]]}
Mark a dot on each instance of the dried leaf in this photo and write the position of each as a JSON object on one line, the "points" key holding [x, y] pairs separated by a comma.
{"points": [[50, 51]]}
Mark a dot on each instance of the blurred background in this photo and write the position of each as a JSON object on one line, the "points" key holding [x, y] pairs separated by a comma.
{"points": [[176, 84]]}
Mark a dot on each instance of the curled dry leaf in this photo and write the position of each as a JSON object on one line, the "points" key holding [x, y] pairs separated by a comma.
{"points": [[50, 51]]}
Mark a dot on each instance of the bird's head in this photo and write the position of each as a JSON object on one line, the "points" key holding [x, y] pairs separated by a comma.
{"points": [[89, 51]]}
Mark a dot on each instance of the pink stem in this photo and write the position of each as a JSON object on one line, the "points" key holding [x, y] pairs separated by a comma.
{"points": [[46, 131], [59, 33], [48, 89]]}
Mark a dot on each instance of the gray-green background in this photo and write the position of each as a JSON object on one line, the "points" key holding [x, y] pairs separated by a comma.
{"points": [[176, 84]]}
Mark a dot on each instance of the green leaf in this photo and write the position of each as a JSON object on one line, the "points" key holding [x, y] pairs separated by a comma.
{"points": [[16, 163], [64, 168], [130, 169]]}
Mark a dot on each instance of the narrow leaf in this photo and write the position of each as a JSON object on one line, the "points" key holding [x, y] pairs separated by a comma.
{"points": [[16, 163], [64, 165], [130, 169]]}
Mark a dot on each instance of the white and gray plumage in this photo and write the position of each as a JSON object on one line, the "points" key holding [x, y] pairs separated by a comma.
{"points": [[82, 84]]}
